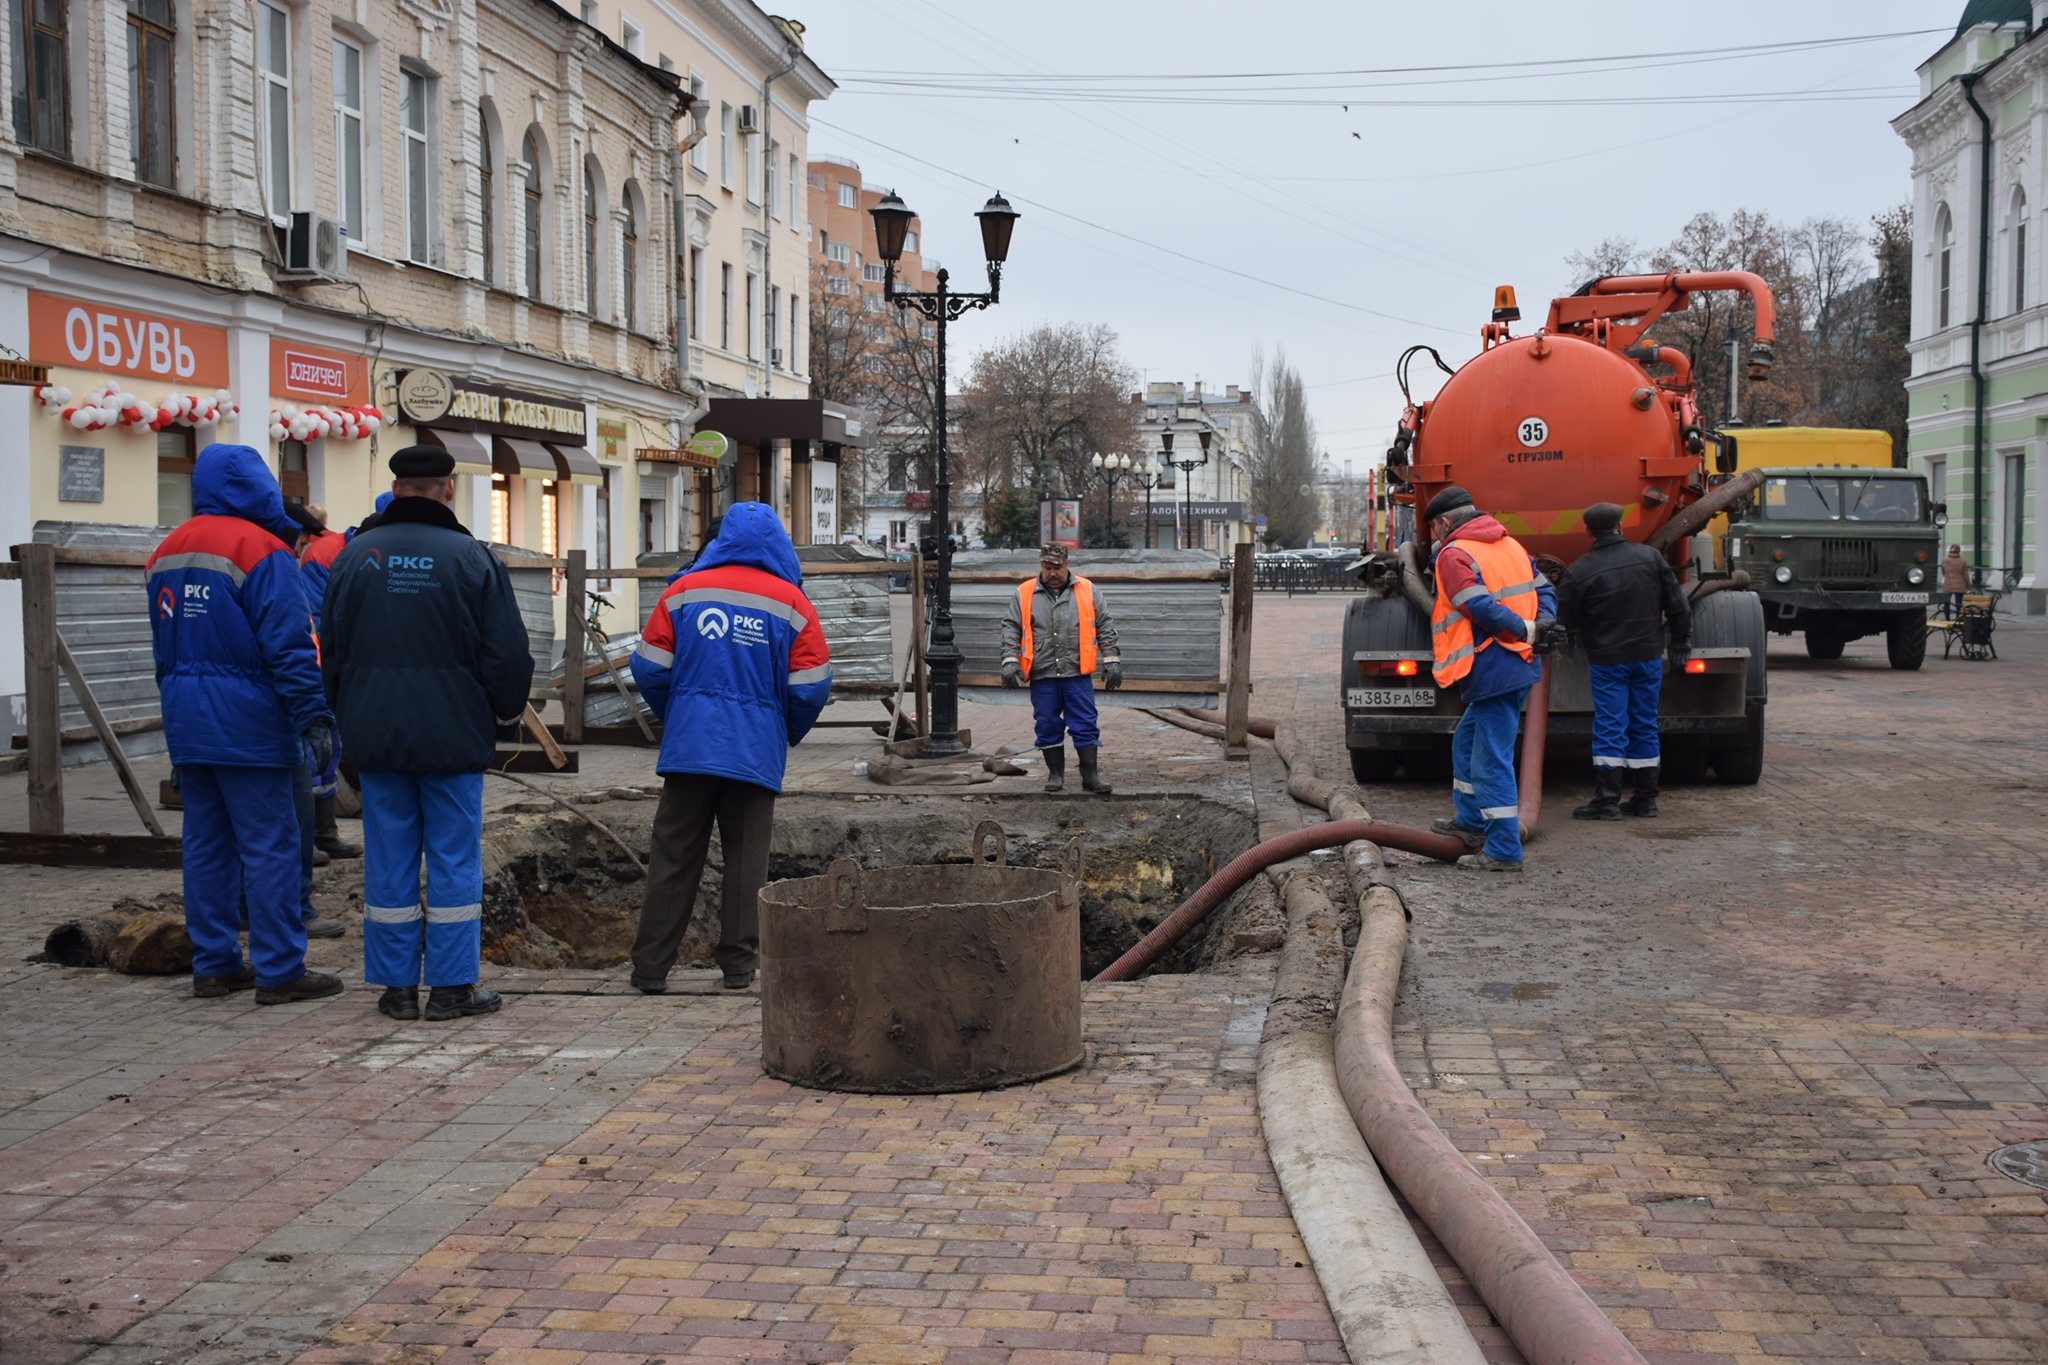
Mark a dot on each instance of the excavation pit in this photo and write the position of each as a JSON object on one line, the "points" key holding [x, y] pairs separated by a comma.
{"points": [[558, 894]]}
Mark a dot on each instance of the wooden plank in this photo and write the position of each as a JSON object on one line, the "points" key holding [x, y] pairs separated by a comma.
{"points": [[1104, 574], [534, 760], [634, 702], [39, 651], [90, 704], [100, 559], [1130, 684], [574, 657], [624, 735], [91, 850], [541, 736], [9, 571], [78, 734], [1237, 706]]}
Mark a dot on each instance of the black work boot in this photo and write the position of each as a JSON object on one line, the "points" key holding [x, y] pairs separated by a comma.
{"points": [[1055, 768], [400, 1002], [1606, 802], [1091, 781], [1643, 805], [214, 987], [453, 1002], [310, 986], [327, 834]]}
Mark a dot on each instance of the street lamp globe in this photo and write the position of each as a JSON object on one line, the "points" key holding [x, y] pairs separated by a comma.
{"points": [[997, 221], [1095, 460], [892, 222]]}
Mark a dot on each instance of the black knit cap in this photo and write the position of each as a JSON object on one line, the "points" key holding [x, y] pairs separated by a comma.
{"points": [[305, 520], [422, 462], [1450, 500], [1603, 517]]}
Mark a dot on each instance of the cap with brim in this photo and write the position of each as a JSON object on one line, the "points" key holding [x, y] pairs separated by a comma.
{"points": [[1053, 554], [422, 462], [1449, 500], [307, 522], [1602, 517]]}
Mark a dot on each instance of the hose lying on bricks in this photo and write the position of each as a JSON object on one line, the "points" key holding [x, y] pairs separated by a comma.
{"points": [[1389, 1303], [1257, 859], [1539, 1305]]}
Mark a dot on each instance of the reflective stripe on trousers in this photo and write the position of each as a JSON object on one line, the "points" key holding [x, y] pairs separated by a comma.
{"points": [[1483, 789]]}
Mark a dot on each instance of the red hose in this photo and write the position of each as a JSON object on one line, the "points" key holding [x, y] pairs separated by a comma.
{"points": [[1256, 859], [1535, 730]]}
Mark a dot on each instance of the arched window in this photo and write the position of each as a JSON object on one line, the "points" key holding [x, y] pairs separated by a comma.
{"points": [[487, 183], [1944, 263], [590, 217], [530, 157], [2016, 228], [629, 254]]}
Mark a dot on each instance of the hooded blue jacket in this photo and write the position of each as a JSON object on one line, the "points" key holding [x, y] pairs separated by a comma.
{"points": [[733, 659], [237, 662]]}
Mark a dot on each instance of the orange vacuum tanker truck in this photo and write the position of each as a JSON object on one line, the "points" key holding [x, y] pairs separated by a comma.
{"points": [[1538, 428]]}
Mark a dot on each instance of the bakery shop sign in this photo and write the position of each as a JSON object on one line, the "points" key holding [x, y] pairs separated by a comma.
{"points": [[430, 398]]}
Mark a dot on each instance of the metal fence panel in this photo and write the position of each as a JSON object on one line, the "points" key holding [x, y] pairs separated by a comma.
{"points": [[1165, 631], [103, 615], [533, 584]]}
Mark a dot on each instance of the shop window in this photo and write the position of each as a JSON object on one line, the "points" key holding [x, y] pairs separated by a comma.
{"points": [[42, 90], [415, 120], [291, 471], [174, 461], [348, 135], [274, 91], [150, 91], [550, 519], [501, 510]]}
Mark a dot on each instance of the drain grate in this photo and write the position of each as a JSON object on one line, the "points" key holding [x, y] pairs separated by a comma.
{"points": [[2026, 1162]]}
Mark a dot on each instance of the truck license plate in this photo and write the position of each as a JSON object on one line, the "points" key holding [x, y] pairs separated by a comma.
{"points": [[1390, 696], [1904, 599]]}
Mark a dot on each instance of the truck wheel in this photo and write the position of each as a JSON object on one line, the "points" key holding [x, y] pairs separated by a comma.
{"points": [[1741, 763], [1823, 647], [1374, 767], [1905, 641]]}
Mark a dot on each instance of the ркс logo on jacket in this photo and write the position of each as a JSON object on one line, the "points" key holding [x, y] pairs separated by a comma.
{"points": [[713, 623]]}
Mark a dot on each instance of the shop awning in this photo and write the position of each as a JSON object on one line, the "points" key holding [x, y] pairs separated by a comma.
{"points": [[526, 459], [472, 456], [750, 421], [576, 464]]}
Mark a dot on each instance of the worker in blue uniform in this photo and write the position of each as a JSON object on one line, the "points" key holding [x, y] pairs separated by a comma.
{"points": [[238, 673], [424, 655]]}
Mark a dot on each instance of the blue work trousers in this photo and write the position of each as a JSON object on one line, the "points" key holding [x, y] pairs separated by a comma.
{"points": [[407, 817], [239, 848], [1062, 707], [1483, 772], [1625, 714]]}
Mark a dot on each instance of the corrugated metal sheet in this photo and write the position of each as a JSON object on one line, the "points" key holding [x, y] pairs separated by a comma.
{"points": [[533, 583], [1164, 630], [103, 615]]}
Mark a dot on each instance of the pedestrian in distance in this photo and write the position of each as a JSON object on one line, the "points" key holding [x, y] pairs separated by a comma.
{"points": [[1494, 614], [734, 661], [425, 655], [1057, 634], [238, 673], [1622, 601], [1955, 581]]}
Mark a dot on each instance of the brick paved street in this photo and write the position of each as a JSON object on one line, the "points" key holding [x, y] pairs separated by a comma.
{"points": [[1740, 1068]]}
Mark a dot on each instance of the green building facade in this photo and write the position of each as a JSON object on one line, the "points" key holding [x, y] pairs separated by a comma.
{"points": [[1977, 395]]}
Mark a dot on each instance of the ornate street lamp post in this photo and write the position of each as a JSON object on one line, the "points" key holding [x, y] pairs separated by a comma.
{"points": [[1110, 469], [1148, 477], [892, 220], [1187, 469]]}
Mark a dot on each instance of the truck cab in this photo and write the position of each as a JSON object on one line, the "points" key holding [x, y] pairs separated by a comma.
{"points": [[1837, 554]]}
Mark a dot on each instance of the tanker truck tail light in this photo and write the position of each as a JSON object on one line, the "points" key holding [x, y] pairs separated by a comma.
{"points": [[1407, 668], [1695, 665], [1389, 668]]}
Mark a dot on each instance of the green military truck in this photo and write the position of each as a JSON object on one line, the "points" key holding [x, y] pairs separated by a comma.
{"points": [[1837, 554]]}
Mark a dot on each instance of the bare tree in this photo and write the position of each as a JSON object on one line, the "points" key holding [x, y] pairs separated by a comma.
{"points": [[874, 356], [1037, 406], [1282, 453], [1615, 256]]}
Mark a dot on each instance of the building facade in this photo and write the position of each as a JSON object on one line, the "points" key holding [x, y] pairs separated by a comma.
{"points": [[1207, 507], [1978, 390]]}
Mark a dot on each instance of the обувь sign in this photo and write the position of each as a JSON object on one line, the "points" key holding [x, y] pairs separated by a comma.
{"points": [[111, 340]]}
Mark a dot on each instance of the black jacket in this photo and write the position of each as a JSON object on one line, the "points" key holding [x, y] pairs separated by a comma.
{"points": [[422, 647], [1617, 598]]}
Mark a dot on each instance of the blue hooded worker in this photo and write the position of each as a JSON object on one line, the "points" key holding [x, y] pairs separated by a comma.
{"points": [[238, 671], [425, 656], [735, 663], [1495, 612]]}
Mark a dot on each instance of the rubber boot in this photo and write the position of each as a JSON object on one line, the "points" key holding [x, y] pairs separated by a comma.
{"points": [[1055, 768], [1606, 802], [327, 834], [1091, 780], [1643, 805]]}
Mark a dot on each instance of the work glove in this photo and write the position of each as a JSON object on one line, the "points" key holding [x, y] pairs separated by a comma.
{"points": [[1112, 674], [319, 739], [1543, 634], [1678, 653], [1013, 677]]}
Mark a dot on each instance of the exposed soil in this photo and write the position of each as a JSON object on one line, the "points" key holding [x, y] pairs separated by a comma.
{"points": [[557, 893]]}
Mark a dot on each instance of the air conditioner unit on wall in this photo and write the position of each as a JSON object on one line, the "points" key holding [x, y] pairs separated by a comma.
{"points": [[315, 247], [750, 119]]}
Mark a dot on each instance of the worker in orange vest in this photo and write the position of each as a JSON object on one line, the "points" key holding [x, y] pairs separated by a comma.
{"points": [[1494, 613], [1056, 635]]}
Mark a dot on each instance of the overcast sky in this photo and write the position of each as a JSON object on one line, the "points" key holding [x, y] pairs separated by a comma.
{"points": [[1366, 228]]}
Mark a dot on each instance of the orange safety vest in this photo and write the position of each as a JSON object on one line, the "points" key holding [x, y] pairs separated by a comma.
{"points": [[1084, 601], [1510, 577]]}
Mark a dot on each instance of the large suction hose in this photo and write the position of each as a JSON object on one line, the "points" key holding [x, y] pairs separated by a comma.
{"points": [[1706, 509]]}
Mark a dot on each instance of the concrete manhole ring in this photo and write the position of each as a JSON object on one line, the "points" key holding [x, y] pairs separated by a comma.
{"points": [[2026, 1162]]}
